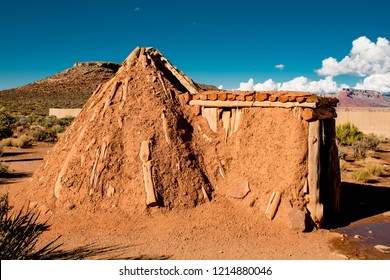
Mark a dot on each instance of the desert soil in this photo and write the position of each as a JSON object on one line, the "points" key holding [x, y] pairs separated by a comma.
{"points": [[221, 229]]}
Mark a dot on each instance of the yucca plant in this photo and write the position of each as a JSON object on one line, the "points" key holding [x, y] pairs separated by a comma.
{"points": [[19, 234]]}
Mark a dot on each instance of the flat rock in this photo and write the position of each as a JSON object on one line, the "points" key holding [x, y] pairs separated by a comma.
{"points": [[238, 189], [296, 220]]}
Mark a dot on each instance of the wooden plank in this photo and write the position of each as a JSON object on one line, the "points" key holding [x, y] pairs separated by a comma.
{"points": [[165, 128], [144, 155], [183, 79], [330, 185], [232, 121], [132, 58], [240, 104], [273, 204], [226, 123], [151, 200], [237, 120], [211, 115], [314, 144]]}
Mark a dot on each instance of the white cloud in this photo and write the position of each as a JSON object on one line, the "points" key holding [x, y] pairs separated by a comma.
{"points": [[267, 85], [247, 85], [220, 87], [327, 85], [365, 58], [379, 82]]}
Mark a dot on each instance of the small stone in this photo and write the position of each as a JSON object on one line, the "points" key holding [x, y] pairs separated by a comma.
{"points": [[238, 189], [357, 236], [296, 220]]}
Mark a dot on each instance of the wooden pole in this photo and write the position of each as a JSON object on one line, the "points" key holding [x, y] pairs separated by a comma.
{"points": [[147, 172], [330, 190], [235, 104], [273, 204], [314, 143]]}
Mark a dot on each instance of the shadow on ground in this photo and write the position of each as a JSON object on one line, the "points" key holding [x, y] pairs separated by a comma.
{"points": [[359, 201], [93, 251]]}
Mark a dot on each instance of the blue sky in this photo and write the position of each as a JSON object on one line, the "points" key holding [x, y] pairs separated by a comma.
{"points": [[217, 42]]}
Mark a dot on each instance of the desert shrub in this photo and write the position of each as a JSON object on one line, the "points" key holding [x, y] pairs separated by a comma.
{"points": [[6, 125], [56, 129], [348, 133], [24, 122], [38, 133], [22, 142], [372, 141], [19, 233], [374, 169], [65, 122], [359, 148], [7, 142], [361, 175]]}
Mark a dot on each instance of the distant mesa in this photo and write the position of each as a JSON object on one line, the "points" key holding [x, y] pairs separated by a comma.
{"points": [[349, 97]]}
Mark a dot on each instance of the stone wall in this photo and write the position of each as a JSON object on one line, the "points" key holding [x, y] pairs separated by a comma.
{"points": [[368, 120], [62, 113]]}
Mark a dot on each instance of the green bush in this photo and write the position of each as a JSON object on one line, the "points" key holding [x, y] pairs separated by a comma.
{"points": [[372, 141], [19, 233], [359, 148], [348, 133], [6, 125]]}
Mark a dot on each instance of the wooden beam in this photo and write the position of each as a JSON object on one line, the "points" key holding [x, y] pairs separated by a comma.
{"points": [[183, 79], [319, 114], [147, 174], [273, 204], [226, 123], [314, 144], [240, 104]]}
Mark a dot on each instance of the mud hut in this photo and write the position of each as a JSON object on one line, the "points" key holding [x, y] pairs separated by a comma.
{"points": [[151, 137]]}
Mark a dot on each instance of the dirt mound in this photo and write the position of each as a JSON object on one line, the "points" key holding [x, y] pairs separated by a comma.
{"points": [[96, 163], [138, 143]]}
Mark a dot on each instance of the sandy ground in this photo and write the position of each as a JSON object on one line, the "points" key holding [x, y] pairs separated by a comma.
{"points": [[221, 229]]}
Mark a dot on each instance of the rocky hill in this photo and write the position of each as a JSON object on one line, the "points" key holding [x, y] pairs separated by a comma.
{"points": [[362, 98], [70, 88], [82, 78]]}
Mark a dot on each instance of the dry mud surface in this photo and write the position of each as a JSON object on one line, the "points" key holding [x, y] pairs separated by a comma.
{"points": [[221, 229]]}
